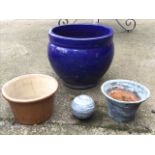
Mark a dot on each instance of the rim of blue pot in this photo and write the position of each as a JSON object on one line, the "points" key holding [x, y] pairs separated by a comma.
{"points": [[128, 81], [62, 40]]}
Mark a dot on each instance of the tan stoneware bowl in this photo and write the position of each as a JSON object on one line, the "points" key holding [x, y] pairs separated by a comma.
{"points": [[31, 97]]}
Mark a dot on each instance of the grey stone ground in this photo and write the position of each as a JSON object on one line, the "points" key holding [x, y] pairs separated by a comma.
{"points": [[23, 49]]}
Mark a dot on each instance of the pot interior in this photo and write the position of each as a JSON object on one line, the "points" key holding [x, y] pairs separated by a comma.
{"points": [[30, 87], [141, 91], [81, 31]]}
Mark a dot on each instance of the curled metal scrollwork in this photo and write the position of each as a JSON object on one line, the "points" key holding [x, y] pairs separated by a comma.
{"points": [[129, 25], [63, 21]]}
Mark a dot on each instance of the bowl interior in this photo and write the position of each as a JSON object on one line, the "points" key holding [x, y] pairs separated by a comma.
{"points": [[29, 87], [81, 31], [141, 91]]}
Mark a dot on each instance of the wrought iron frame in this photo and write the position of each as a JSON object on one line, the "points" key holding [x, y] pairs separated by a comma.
{"points": [[129, 24]]}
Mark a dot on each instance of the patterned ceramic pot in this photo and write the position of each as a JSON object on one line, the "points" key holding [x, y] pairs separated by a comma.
{"points": [[124, 111], [80, 53]]}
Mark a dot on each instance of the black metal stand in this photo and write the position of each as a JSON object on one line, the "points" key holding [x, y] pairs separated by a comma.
{"points": [[128, 25]]}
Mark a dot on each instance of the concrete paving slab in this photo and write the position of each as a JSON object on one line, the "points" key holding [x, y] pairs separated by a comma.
{"points": [[23, 50]]}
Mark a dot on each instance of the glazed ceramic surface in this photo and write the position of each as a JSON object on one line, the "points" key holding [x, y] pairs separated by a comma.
{"points": [[80, 53], [123, 111], [82, 106], [31, 97]]}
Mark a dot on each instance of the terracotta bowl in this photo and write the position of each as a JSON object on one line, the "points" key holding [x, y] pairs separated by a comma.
{"points": [[31, 97]]}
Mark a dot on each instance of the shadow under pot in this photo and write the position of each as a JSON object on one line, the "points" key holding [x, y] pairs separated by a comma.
{"points": [[80, 54], [31, 97]]}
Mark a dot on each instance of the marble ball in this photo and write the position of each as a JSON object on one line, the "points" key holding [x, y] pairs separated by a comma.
{"points": [[82, 106]]}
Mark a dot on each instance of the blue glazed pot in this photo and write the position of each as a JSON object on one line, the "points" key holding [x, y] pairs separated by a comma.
{"points": [[123, 111], [80, 53]]}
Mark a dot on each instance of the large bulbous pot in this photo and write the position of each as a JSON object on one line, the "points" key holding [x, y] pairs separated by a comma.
{"points": [[80, 53]]}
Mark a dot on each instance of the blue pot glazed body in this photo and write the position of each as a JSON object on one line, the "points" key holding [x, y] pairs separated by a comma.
{"points": [[124, 111], [80, 53]]}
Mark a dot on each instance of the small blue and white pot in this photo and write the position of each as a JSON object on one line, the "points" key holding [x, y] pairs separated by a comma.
{"points": [[124, 111], [80, 54]]}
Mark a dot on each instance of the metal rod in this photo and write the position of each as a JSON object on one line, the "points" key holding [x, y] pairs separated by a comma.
{"points": [[129, 24]]}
